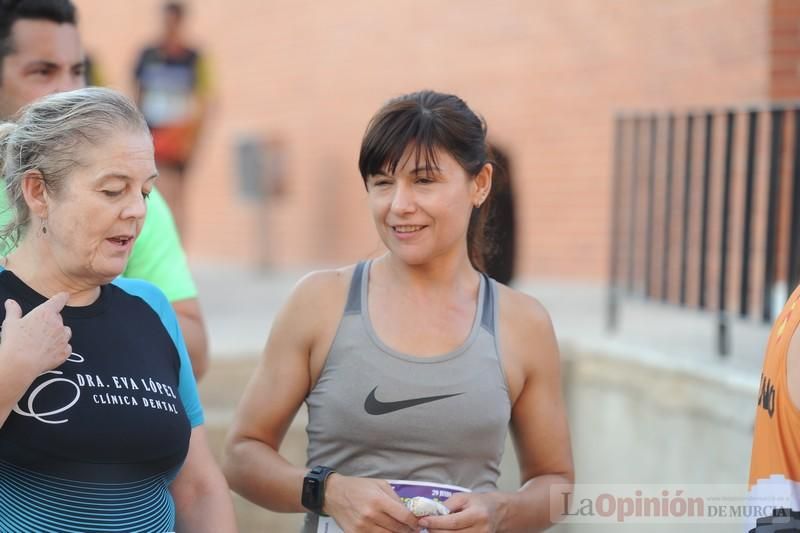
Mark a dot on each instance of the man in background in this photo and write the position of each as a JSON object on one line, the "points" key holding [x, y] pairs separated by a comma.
{"points": [[172, 92], [40, 54]]}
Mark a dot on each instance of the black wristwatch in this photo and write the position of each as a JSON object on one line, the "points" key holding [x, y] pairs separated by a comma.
{"points": [[313, 496]]}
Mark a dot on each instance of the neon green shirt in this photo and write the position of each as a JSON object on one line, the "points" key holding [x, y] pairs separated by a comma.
{"points": [[157, 254]]}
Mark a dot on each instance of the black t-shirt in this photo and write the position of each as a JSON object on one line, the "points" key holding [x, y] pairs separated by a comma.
{"points": [[94, 443]]}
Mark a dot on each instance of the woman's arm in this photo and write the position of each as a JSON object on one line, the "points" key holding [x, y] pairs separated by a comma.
{"points": [[292, 360], [193, 327], [538, 424], [202, 500], [272, 397]]}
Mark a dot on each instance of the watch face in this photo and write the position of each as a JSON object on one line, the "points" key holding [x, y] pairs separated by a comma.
{"points": [[311, 488]]}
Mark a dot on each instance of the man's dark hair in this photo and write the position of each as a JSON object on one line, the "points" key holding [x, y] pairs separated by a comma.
{"points": [[58, 11], [175, 8]]}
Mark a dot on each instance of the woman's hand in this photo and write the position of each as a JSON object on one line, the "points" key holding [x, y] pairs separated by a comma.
{"points": [[39, 341], [29, 346], [469, 512], [366, 505]]}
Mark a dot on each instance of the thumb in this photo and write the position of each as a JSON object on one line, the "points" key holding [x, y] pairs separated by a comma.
{"points": [[57, 302], [13, 311], [387, 489], [457, 501]]}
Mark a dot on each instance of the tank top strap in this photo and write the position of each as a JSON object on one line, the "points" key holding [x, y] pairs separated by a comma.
{"points": [[354, 296], [488, 305]]}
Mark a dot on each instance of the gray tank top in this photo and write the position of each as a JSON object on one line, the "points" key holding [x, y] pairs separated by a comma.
{"points": [[376, 412]]}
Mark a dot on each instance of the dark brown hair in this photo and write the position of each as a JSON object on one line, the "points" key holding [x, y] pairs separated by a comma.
{"points": [[58, 11], [428, 121], [178, 9]]}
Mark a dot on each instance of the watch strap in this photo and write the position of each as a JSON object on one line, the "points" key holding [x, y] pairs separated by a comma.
{"points": [[313, 494]]}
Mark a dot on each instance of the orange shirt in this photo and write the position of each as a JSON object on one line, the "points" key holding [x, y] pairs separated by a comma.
{"points": [[775, 459]]}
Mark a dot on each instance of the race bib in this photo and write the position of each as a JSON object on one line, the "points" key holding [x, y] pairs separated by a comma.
{"points": [[410, 492]]}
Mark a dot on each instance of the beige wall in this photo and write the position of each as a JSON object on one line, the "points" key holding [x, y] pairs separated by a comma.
{"points": [[547, 75]]}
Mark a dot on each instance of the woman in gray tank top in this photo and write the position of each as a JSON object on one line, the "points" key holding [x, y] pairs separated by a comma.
{"points": [[414, 364]]}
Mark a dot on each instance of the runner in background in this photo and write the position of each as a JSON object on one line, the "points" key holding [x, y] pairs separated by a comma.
{"points": [[172, 92]]}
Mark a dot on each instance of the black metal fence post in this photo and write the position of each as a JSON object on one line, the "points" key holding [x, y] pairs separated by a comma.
{"points": [[775, 153], [612, 314], [723, 340], [747, 230], [667, 208], [794, 209], [649, 241], [707, 154], [686, 206], [634, 191]]}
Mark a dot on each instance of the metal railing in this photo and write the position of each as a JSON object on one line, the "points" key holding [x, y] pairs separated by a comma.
{"points": [[704, 211]]}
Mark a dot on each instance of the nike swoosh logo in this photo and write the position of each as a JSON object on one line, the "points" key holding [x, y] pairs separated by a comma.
{"points": [[374, 406]]}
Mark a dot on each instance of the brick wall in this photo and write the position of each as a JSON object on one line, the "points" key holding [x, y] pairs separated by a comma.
{"points": [[547, 75], [784, 49]]}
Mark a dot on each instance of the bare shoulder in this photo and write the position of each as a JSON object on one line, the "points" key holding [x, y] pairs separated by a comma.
{"points": [[314, 300], [318, 284], [523, 315], [527, 341], [315, 309]]}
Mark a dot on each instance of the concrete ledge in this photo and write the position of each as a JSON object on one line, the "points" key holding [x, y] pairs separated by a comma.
{"points": [[639, 416]]}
